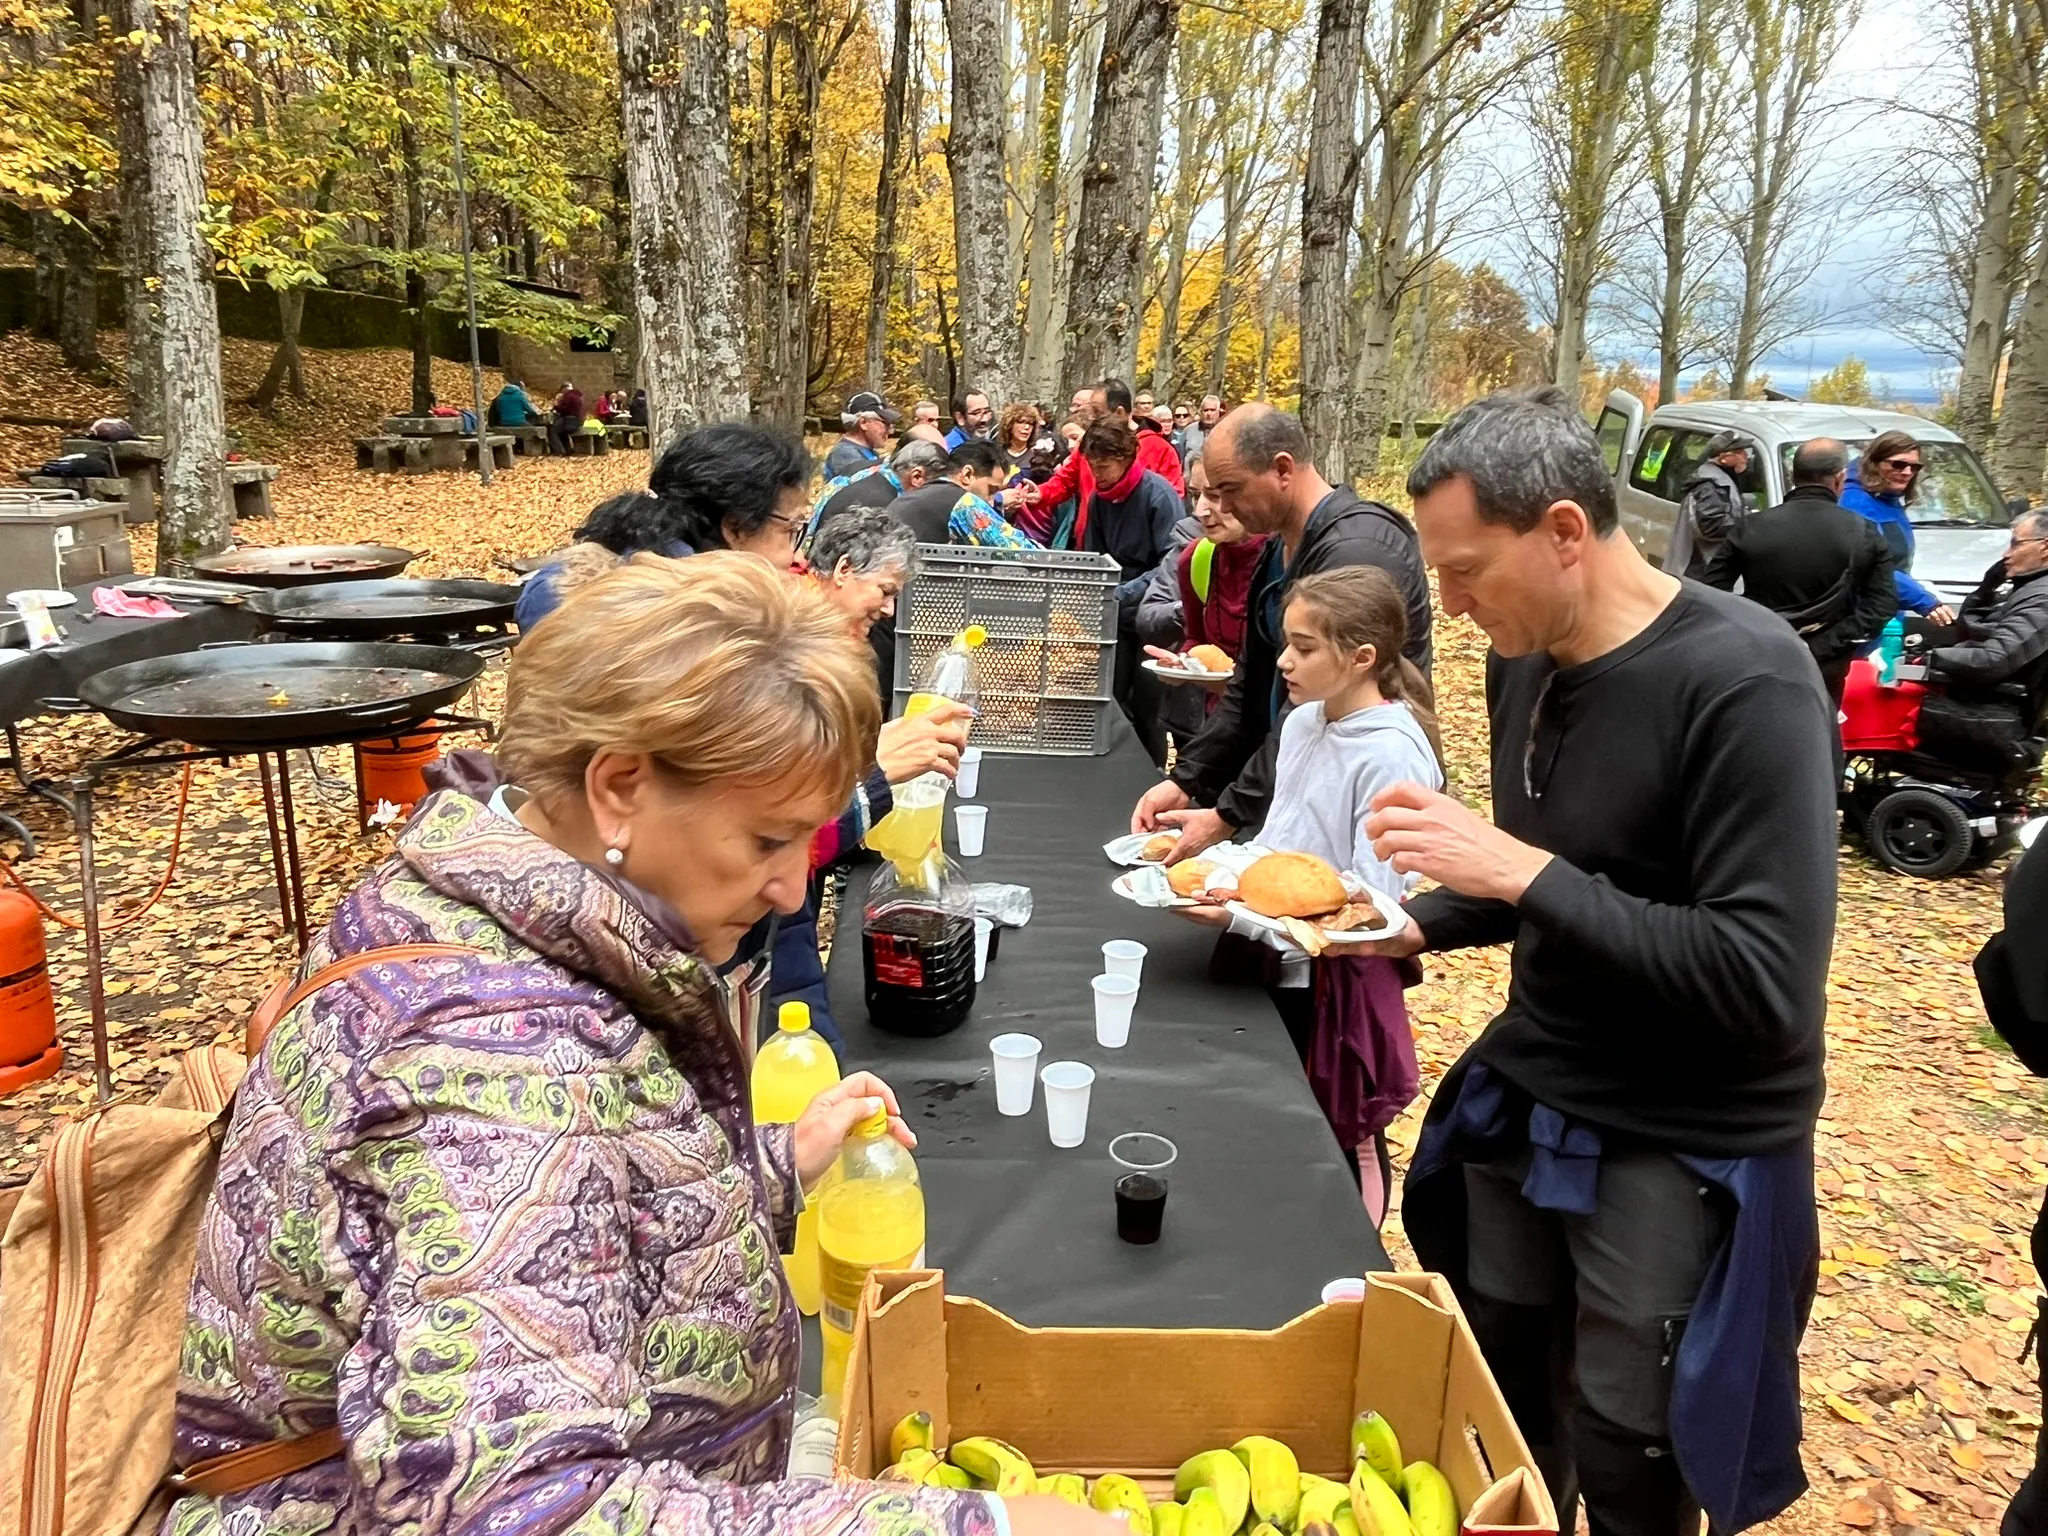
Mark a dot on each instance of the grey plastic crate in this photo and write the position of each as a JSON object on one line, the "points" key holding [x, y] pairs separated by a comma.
{"points": [[1044, 675]]}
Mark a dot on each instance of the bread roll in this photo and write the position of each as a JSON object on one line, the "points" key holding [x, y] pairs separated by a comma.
{"points": [[1158, 846], [1212, 658], [1291, 885], [1190, 876]]}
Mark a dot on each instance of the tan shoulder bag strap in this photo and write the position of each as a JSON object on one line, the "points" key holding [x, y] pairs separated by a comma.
{"points": [[255, 1465]]}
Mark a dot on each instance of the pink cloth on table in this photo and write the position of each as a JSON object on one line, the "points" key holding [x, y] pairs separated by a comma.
{"points": [[116, 604]]}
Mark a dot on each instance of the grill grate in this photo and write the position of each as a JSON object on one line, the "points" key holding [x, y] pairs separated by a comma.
{"points": [[1044, 675]]}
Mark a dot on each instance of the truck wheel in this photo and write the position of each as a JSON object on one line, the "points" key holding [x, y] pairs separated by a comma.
{"points": [[1918, 832]]}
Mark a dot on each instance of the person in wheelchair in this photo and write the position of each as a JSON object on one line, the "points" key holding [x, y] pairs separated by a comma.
{"points": [[1995, 665]]}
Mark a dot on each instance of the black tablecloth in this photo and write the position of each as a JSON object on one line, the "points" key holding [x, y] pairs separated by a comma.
{"points": [[1262, 1210], [95, 644]]}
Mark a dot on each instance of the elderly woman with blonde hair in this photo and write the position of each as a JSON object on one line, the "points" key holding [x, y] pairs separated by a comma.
{"points": [[499, 1220]]}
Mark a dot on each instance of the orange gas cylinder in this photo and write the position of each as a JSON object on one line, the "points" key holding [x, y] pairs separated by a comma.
{"points": [[393, 769], [28, 1013]]}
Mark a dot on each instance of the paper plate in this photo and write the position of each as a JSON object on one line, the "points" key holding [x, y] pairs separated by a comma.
{"points": [[1386, 929], [53, 597], [1183, 674]]}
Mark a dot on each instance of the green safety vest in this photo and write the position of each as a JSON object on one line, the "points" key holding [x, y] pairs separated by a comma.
{"points": [[1200, 567]]}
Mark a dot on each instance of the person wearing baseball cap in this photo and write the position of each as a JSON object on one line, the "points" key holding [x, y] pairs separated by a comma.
{"points": [[1712, 506], [865, 423]]}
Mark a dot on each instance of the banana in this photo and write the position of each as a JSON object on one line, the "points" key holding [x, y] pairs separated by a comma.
{"points": [[1375, 1506], [995, 1464], [1222, 1473], [910, 1467], [1346, 1522], [1071, 1486], [1320, 1501], [1275, 1478], [1373, 1442], [1431, 1505], [1166, 1518], [1266, 1528], [912, 1432], [1115, 1494], [1205, 1513], [946, 1475], [1316, 1528]]}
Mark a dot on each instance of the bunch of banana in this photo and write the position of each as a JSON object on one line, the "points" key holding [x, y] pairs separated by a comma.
{"points": [[976, 1462], [1392, 1499]]}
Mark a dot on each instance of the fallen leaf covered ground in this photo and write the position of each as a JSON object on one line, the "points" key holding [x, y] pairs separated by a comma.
{"points": [[1932, 1149]]}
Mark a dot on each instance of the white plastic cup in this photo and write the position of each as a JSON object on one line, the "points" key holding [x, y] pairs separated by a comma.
{"points": [[1347, 1289], [970, 824], [1124, 957], [983, 928], [1115, 997], [1066, 1101], [1016, 1059], [968, 780]]}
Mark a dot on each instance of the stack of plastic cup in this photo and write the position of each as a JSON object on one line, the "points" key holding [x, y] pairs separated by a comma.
{"points": [[984, 929], [1066, 1101], [1124, 957], [969, 777], [970, 824], [1115, 997], [1016, 1059]]}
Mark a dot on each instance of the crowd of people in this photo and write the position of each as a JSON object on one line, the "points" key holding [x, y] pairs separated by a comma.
{"points": [[440, 1199], [512, 406]]}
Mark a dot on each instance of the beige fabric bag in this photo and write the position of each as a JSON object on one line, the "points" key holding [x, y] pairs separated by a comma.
{"points": [[95, 1271]]}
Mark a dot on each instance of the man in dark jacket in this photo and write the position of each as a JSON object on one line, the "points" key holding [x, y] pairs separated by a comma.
{"points": [[2004, 637], [1130, 518], [1258, 465], [1711, 506], [1823, 570]]}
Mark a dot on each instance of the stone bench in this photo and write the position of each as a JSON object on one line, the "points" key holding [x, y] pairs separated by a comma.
{"points": [[250, 485], [388, 455], [530, 439], [500, 447], [626, 435], [590, 440]]}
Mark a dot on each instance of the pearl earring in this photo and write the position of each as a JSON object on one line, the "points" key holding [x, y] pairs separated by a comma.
{"points": [[615, 857]]}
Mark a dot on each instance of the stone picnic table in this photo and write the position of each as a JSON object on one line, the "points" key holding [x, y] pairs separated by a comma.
{"points": [[418, 443]]}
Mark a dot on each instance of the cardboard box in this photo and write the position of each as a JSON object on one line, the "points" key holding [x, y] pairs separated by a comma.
{"points": [[1141, 1401]]}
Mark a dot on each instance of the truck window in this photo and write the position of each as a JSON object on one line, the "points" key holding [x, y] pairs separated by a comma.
{"points": [[1650, 463], [1613, 433]]}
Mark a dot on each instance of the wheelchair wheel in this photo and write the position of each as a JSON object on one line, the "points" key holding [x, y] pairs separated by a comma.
{"points": [[1918, 832]]}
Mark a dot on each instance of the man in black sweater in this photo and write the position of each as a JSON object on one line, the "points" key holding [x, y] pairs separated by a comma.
{"points": [[1258, 465], [1619, 1173], [1825, 571]]}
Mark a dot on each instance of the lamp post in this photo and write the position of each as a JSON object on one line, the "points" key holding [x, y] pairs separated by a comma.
{"points": [[451, 63]]}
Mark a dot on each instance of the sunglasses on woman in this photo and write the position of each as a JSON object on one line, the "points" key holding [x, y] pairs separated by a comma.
{"points": [[1904, 464]]}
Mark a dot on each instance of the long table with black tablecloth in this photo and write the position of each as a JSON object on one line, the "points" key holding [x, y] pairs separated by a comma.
{"points": [[1261, 1210], [97, 643]]}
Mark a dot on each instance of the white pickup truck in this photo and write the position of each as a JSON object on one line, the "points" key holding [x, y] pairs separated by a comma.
{"points": [[1959, 521]]}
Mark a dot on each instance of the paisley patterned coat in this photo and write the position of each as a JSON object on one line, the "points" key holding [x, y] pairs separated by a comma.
{"points": [[509, 1222]]}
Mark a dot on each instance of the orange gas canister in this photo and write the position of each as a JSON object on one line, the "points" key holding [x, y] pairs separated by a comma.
{"points": [[28, 1013], [393, 769]]}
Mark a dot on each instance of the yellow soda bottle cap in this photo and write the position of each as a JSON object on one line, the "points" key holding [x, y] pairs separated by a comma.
{"points": [[974, 637], [875, 1124], [793, 1017]]}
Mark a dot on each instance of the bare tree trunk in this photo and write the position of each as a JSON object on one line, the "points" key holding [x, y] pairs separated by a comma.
{"points": [[183, 323], [974, 154], [414, 180], [1328, 194], [1993, 271], [138, 255], [285, 364], [677, 108], [1226, 282], [884, 273], [1041, 352], [1105, 302], [1676, 170], [1269, 308], [1015, 154], [67, 281], [1081, 91], [2020, 454]]}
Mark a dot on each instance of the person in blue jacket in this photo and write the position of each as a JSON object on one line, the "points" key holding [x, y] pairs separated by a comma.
{"points": [[1887, 482]]}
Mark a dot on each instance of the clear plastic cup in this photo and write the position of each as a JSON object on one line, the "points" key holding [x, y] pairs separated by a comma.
{"points": [[1016, 1059], [1115, 997], [984, 928], [1066, 1101], [1123, 957], [968, 779], [1142, 1160], [970, 825]]}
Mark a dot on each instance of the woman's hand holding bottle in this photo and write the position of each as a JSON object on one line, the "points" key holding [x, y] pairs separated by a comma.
{"points": [[823, 1128]]}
